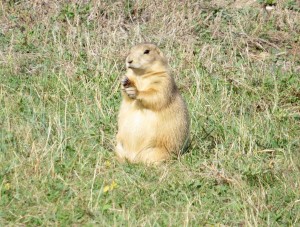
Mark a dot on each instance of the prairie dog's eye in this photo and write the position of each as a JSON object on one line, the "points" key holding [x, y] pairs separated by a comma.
{"points": [[146, 51]]}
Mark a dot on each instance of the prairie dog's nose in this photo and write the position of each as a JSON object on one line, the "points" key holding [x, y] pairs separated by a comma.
{"points": [[130, 61]]}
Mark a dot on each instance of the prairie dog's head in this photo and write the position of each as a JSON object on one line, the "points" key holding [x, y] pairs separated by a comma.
{"points": [[145, 58]]}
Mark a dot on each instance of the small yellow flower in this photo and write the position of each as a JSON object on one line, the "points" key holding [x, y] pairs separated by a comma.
{"points": [[107, 163], [7, 186], [106, 188], [110, 187], [113, 185]]}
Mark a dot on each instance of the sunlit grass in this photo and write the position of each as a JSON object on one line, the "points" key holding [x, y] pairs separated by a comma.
{"points": [[238, 69]]}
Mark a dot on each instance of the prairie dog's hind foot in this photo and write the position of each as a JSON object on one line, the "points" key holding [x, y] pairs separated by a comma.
{"points": [[153, 156], [150, 156], [122, 154]]}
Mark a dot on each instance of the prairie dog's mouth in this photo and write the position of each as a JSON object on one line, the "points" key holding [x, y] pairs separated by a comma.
{"points": [[132, 66]]}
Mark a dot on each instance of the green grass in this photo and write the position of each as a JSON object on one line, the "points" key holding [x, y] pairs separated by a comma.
{"points": [[238, 69]]}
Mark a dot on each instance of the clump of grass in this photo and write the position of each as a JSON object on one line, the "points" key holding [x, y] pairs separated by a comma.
{"points": [[237, 68]]}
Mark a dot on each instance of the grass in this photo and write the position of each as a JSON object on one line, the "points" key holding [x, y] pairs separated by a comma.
{"points": [[238, 69]]}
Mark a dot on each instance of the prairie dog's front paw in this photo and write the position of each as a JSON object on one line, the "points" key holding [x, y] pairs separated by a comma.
{"points": [[131, 92], [128, 87], [125, 82]]}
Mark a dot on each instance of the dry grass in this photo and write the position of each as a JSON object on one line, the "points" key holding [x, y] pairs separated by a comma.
{"points": [[237, 66]]}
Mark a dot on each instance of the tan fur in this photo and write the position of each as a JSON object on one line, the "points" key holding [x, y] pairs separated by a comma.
{"points": [[153, 120]]}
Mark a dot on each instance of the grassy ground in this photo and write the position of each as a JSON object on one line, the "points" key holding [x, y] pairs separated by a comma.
{"points": [[238, 68]]}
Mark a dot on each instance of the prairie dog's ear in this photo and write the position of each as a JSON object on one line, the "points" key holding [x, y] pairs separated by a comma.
{"points": [[159, 52]]}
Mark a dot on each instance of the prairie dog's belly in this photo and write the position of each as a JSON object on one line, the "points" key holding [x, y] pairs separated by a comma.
{"points": [[137, 127]]}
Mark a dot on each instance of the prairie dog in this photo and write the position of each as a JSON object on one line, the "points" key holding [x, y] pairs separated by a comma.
{"points": [[153, 122]]}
